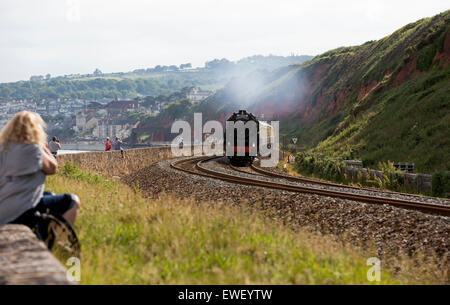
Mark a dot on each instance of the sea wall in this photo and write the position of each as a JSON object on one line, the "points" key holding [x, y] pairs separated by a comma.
{"points": [[116, 163]]}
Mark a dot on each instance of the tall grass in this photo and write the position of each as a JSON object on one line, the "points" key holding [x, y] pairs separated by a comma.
{"points": [[116, 163], [387, 177], [127, 239]]}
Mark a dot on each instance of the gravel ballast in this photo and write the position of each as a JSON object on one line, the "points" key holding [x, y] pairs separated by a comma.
{"points": [[392, 230]]}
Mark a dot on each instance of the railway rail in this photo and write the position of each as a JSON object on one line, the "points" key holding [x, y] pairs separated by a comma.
{"points": [[195, 166], [332, 184]]}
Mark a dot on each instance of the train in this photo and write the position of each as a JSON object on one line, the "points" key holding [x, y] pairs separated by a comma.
{"points": [[243, 155]]}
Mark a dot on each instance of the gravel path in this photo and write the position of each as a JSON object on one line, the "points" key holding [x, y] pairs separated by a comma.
{"points": [[392, 230]]}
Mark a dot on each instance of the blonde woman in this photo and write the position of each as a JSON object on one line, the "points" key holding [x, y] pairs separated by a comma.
{"points": [[24, 163]]}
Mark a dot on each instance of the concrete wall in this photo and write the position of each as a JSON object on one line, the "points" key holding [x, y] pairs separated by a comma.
{"points": [[413, 182], [116, 163], [89, 146], [100, 146], [419, 182]]}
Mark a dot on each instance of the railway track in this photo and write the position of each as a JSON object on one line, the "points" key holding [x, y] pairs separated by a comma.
{"points": [[196, 166], [264, 172]]}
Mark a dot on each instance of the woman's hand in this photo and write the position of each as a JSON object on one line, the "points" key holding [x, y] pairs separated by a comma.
{"points": [[49, 163]]}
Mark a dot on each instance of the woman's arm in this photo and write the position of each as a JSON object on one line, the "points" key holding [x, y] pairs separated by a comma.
{"points": [[49, 164]]}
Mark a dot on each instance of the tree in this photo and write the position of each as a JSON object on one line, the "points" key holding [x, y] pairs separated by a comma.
{"points": [[48, 76], [185, 66], [36, 78], [218, 63], [97, 72], [158, 68], [139, 71]]}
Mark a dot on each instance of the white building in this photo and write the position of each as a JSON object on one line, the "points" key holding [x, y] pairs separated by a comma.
{"points": [[195, 94]]}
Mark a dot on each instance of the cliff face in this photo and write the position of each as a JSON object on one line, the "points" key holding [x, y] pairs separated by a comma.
{"points": [[320, 88], [385, 99]]}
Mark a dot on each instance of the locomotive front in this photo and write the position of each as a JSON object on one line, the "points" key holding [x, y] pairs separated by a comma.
{"points": [[242, 153]]}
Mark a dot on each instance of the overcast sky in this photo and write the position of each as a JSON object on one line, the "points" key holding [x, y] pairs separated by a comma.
{"points": [[76, 36]]}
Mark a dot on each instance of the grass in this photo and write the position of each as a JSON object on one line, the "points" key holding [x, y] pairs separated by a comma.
{"points": [[127, 239], [416, 132], [385, 176], [71, 170]]}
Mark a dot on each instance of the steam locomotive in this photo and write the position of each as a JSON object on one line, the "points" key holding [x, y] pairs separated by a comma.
{"points": [[244, 153]]}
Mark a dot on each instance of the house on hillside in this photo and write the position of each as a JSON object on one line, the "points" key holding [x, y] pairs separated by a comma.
{"points": [[41, 108], [113, 128], [91, 124], [117, 107], [195, 94], [93, 106], [53, 107], [85, 120]]}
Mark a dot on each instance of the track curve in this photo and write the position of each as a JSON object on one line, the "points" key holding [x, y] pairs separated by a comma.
{"points": [[332, 184], [195, 166]]}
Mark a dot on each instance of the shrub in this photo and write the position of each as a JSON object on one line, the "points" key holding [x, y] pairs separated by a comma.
{"points": [[331, 169], [70, 170], [319, 166], [425, 58], [393, 179], [441, 184], [368, 162]]}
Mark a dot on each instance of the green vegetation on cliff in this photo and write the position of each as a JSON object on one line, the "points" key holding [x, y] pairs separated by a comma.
{"points": [[410, 122], [384, 100]]}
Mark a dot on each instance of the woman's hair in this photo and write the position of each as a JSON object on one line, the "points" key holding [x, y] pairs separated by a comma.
{"points": [[25, 127]]}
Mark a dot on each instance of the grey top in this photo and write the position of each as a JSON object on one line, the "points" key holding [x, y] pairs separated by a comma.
{"points": [[21, 179], [117, 145], [54, 146]]}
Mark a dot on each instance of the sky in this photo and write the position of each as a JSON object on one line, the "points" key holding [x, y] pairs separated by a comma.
{"points": [[77, 36]]}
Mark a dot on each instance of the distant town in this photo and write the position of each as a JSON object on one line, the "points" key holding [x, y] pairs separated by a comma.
{"points": [[93, 119], [135, 106]]}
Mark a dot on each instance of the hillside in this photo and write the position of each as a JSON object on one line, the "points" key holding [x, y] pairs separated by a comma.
{"points": [[159, 80], [383, 100]]}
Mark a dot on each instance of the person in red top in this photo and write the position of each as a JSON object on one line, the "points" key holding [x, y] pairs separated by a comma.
{"points": [[107, 145]]}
